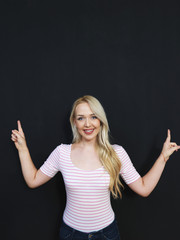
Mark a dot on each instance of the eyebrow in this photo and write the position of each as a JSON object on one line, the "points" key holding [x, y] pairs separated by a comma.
{"points": [[83, 115]]}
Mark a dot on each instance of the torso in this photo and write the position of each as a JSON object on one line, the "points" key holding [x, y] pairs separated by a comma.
{"points": [[85, 159], [88, 206]]}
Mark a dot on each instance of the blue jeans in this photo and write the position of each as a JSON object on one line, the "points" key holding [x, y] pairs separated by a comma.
{"points": [[108, 233]]}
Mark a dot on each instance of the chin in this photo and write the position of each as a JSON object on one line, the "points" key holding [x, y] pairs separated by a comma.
{"points": [[89, 137]]}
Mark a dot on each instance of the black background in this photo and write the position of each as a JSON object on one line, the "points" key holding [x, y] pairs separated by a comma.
{"points": [[125, 53]]}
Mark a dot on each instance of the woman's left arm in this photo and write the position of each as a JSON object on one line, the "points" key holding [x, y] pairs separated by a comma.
{"points": [[145, 185]]}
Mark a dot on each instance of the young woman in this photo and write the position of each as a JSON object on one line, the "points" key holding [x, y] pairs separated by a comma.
{"points": [[90, 167]]}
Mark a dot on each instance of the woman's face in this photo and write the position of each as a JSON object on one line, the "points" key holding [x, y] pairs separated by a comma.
{"points": [[87, 124]]}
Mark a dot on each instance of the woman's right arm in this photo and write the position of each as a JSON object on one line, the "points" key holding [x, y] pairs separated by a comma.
{"points": [[32, 176]]}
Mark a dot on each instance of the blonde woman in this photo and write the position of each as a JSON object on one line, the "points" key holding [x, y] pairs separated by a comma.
{"points": [[90, 167]]}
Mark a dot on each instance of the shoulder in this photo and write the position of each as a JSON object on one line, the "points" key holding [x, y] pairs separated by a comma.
{"points": [[117, 148], [62, 147], [121, 152]]}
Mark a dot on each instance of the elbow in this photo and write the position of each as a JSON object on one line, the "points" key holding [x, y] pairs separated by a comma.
{"points": [[31, 185], [145, 191], [31, 181], [145, 194]]}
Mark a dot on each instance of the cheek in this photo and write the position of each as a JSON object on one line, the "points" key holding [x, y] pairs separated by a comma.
{"points": [[98, 123], [79, 125]]}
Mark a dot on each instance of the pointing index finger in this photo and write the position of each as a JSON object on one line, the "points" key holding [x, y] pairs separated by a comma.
{"points": [[168, 135], [19, 126]]}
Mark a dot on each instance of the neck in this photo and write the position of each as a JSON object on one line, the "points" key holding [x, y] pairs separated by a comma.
{"points": [[88, 144]]}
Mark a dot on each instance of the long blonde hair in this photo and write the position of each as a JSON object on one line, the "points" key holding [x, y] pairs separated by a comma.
{"points": [[107, 154]]}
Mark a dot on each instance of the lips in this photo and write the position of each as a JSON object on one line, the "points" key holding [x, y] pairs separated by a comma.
{"points": [[88, 131]]}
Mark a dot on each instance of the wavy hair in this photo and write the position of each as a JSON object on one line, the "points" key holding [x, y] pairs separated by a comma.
{"points": [[107, 154]]}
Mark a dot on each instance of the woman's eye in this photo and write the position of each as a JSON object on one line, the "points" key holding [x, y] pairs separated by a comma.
{"points": [[94, 117], [80, 118]]}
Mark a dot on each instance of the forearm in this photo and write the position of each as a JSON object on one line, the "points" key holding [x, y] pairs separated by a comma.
{"points": [[152, 177], [28, 169], [145, 185]]}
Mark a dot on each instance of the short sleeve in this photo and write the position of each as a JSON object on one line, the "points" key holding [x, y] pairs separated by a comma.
{"points": [[51, 165], [128, 171]]}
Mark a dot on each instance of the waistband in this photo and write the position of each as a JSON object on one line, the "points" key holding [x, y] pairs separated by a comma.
{"points": [[103, 230]]}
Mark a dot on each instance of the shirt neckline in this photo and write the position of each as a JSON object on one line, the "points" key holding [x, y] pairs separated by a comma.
{"points": [[70, 148]]}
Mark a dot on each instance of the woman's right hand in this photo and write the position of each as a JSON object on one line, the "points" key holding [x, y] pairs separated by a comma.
{"points": [[18, 138]]}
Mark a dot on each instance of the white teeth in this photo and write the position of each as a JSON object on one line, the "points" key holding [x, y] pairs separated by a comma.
{"points": [[88, 130]]}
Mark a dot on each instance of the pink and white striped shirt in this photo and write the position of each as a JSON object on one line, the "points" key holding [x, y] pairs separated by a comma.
{"points": [[88, 207]]}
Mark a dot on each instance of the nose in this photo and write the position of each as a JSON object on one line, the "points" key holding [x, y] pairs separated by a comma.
{"points": [[87, 122]]}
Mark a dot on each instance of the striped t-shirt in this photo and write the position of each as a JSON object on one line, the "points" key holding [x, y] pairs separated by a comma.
{"points": [[88, 207]]}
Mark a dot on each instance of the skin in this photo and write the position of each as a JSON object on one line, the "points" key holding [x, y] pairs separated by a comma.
{"points": [[84, 155]]}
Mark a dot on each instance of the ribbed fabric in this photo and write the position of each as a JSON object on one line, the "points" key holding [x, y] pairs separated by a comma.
{"points": [[88, 206]]}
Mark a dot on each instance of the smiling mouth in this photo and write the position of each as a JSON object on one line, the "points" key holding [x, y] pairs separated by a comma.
{"points": [[89, 131]]}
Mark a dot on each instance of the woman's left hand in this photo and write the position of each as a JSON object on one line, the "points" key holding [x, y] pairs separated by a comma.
{"points": [[169, 147]]}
